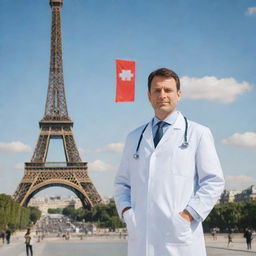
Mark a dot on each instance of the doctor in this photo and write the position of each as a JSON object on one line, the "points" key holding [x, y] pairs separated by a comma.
{"points": [[169, 178]]}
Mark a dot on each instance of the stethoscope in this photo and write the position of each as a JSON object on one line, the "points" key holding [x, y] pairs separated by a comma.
{"points": [[184, 144]]}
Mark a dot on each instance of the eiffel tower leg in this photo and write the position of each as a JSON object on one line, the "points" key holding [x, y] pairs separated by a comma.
{"points": [[71, 149], [41, 150], [25, 186]]}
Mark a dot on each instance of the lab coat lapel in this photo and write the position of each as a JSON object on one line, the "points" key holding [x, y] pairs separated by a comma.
{"points": [[148, 136]]}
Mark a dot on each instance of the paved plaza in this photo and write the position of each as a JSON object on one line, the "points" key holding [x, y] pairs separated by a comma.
{"points": [[237, 247], [96, 246]]}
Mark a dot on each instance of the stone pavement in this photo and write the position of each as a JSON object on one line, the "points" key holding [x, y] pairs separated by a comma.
{"points": [[238, 243], [96, 245]]}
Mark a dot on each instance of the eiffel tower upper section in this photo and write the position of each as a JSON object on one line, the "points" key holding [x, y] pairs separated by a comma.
{"points": [[56, 106], [56, 122]]}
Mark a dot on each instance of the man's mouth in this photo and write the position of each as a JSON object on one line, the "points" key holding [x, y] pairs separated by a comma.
{"points": [[161, 103]]}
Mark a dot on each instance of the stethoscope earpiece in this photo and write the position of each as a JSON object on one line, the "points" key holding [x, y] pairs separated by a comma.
{"points": [[185, 144]]}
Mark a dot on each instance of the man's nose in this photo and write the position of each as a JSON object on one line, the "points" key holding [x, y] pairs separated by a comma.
{"points": [[162, 93]]}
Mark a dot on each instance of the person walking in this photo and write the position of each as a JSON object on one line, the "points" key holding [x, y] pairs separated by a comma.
{"points": [[248, 237], [2, 235], [229, 238], [29, 242], [214, 234], [169, 177], [8, 235]]}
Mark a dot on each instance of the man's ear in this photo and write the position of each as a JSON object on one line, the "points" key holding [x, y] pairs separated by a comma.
{"points": [[179, 94], [149, 96]]}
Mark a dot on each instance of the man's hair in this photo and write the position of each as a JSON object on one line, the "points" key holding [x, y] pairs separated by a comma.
{"points": [[164, 72]]}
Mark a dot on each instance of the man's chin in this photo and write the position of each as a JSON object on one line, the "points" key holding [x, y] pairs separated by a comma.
{"points": [[164, 112]]}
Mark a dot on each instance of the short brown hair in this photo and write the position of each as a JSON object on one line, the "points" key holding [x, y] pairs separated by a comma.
{"points": [[164, 72]]}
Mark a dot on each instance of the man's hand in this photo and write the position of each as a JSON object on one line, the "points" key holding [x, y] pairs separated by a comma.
{"points": [[186, 215], [124, 210]]}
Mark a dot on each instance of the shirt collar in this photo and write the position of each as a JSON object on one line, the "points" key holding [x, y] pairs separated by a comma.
{"points": [[169, 119]]}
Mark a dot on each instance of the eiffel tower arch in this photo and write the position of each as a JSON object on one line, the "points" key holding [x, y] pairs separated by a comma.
{"points": [[56, 124]]}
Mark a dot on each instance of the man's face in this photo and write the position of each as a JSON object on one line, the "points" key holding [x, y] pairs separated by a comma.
{"points": [[163, 96]]}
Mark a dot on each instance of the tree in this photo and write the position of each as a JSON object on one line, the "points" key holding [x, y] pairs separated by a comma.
{"points": [[54, 210], [103, 215], [15, 216], [35, 214]]}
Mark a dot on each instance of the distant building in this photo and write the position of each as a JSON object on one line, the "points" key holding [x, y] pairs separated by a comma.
{"points": [[246, 195], [228, 196], [107, 199], [241, 196], [54, 202]]}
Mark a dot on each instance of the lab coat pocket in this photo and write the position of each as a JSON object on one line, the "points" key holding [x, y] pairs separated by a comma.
{"points": [[183, 162], [129, 218], [182, 230]]}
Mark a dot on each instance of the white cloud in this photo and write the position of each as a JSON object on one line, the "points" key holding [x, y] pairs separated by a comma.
{"points": [[239, 181], [99, 165], [224, 90], [19, 166], [113, 147], [251, 10], [14, 147], [247, 139]]}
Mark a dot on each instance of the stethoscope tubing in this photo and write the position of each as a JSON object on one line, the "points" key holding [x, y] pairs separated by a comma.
{"points": [[185, 143]]}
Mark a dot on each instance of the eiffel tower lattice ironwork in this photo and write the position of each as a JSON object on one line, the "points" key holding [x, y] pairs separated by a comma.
{"points": [[56, 124]]}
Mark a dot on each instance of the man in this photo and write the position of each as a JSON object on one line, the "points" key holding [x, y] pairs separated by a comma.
{"points": [[29, 242], [248, 237], [2, 235], [8, 235], [169, 178]]}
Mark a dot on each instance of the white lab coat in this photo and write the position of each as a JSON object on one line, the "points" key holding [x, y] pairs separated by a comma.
{"points": [[162, 182]]}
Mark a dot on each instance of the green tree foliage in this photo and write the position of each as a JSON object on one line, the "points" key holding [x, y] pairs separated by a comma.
{"points": [[35, 214], [104, 215], [15, 216], [232, 216], [70, 212], [55, 210], [248, 218]]}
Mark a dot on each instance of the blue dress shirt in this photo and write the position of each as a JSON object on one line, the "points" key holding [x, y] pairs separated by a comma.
{"points": [[169, 120]]}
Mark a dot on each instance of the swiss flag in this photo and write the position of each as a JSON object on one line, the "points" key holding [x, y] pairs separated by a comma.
{"points": [[125, 80]]}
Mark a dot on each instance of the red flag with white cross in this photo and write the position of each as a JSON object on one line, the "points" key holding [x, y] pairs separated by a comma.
{"points": [[125, 80]]}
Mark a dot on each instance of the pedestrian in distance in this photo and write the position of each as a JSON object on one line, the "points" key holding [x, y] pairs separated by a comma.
{"points": [[169, 178], [230, 237], [8, 235], [248, 238], [214, 234], [2, 235], [29, 242]]}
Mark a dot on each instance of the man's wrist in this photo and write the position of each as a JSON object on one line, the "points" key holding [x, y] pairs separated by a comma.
{"points": [[194, 214], [124, 210], [186, 215]]}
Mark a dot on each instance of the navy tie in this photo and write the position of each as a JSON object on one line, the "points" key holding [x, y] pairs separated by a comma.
{"points": [[159, 132]]}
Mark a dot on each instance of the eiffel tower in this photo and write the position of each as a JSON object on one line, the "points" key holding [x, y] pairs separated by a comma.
{"points": [[56, 124]]}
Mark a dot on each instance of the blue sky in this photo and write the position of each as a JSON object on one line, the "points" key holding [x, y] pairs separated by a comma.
{"points": [[210, 44]]}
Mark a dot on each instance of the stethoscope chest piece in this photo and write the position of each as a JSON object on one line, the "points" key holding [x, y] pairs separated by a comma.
{"points": [[184, 144], [135, 156]]}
